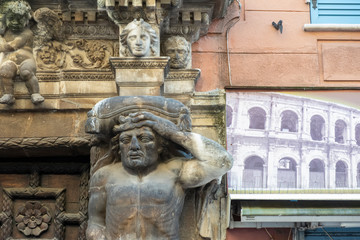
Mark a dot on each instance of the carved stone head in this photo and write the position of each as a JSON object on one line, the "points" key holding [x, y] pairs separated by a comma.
{"points": [[17, 15], [178, 49], [141, 147], [139, 39]]}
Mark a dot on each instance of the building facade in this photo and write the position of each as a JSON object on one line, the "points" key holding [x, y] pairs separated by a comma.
{"points": [[281, 141]]}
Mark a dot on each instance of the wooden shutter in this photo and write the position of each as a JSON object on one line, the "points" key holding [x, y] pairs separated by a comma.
{"points": [[335, 11]]}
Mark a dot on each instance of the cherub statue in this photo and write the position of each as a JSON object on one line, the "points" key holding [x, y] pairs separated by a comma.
{"points": [[139, 39], [17, 59]]}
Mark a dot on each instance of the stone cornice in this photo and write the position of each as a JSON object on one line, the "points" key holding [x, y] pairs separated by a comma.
{"points": [[43, 142], [140, 63], [181, 74]]}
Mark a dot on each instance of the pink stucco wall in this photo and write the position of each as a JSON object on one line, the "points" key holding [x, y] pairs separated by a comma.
{"points": [[261, 56]]}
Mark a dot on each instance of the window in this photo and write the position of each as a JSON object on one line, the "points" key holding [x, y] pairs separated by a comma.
{"points": [[341, 175], [286, 177], [257, 118], [335, 11], [229, 115], [357, 134], [317, 174], [253, 172], [340, 131], [289, 121], [317, 128]]}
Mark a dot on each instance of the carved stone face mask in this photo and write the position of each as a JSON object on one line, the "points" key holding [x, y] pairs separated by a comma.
{"points": [[178, 55], [138, 42], [139, 148]]}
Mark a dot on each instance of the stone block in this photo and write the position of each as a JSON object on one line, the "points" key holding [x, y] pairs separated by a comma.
{"points": [[80, 88], [151, 3], [139, 91], [91, 16], [181, 81], [139, 76], [137, 3], [79, 16]]}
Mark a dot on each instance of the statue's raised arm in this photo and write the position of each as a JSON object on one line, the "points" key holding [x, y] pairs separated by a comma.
{"points": [[210, 160]]}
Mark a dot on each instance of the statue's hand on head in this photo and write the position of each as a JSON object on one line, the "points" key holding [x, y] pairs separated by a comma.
{"points": [[162, 126]]}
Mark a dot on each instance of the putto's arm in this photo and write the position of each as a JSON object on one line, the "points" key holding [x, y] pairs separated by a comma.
{"points": [[210, 160], [21, 40], [97, 211]]}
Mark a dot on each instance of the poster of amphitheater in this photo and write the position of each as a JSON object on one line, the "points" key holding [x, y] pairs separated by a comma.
{"points": [[294, 142]]}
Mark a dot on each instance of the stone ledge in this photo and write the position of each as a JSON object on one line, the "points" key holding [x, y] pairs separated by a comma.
{"points": [[140, 63], [332, 27]]}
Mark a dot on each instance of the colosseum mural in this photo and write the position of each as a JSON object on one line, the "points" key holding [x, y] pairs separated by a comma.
{"points": [[286, 142]]}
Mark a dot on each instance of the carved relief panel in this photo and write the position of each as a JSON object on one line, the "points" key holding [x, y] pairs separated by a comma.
{"points": [[44, 200]]}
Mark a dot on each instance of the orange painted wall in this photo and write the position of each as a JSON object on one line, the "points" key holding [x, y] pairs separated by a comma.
{"points": [[260, 56]]}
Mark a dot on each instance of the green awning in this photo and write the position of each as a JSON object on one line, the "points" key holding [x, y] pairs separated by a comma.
{"points": [[300, 208]]}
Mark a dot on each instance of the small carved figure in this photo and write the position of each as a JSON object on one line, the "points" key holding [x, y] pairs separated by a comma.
{"points": [[140, 195], [178, 49], [139, 39], [16, 50]]}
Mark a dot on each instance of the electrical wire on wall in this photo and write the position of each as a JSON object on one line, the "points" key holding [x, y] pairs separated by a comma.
{"points": [[271, 238], [290, 234], [327, 233], [227, 42]]}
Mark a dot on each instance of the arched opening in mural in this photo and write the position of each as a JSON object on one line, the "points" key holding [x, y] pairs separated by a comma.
{"points": [[357, 134], [229, 115], [289, 121], [253, 172], [341, 176], [317, 174], [257, 118], [286, 177], [358, 175], [317, 128], [340, 131]]}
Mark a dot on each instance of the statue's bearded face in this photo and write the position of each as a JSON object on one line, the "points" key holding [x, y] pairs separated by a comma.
{"points": [[139, 148], [138, 42], [178, 55], [16, 22]]}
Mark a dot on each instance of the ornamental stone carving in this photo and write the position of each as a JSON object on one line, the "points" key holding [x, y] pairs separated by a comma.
{"points": [[32, 219], [49, 27], [145, 158], [178, 49], [16, 49], [139, 39], [75, 54]]}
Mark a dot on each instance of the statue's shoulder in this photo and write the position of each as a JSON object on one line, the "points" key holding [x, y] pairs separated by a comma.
{"points": [[101, 176], [175, 164]]}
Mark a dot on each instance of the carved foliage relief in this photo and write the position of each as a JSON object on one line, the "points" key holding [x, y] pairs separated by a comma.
{"points": [[75, 54], [64, 46]]}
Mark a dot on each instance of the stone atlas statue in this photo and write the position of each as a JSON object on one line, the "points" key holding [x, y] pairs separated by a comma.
{"points": [[146, 158], [16, 51]]}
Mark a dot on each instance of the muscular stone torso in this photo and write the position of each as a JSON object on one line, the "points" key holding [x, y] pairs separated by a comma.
{"points": [[146, 208]]}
